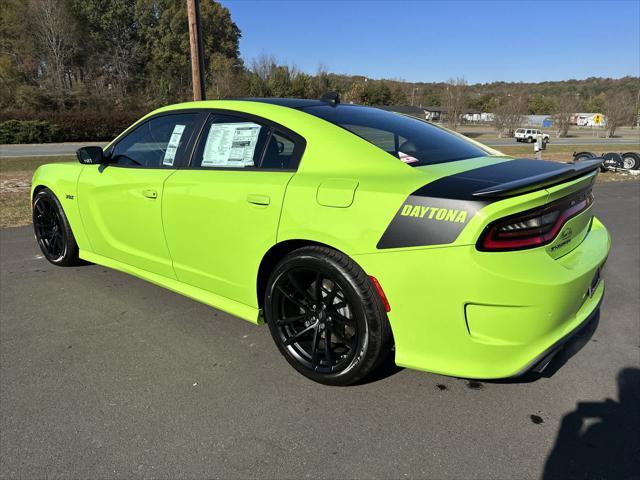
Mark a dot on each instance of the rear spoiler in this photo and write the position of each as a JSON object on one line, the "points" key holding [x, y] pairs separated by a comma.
{"points": [[543, 180]]}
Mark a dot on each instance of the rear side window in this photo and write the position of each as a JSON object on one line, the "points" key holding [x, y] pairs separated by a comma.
{"points": [[156, 143], [229, 141], [412, 141], [279, 152]]}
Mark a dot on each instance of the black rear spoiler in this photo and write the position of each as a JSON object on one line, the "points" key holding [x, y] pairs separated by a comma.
{"points": [[542, 180]]}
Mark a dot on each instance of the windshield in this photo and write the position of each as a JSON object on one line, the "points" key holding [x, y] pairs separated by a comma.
{"points": [[412, 141]]}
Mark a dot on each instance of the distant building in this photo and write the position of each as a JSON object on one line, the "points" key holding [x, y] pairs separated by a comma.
{"points": [[588, 120], [438, 114], [536, 120]]}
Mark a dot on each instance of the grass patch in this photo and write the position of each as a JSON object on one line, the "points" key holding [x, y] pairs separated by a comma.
{"points": [[15, 208], [15, 187], [16, 164]]}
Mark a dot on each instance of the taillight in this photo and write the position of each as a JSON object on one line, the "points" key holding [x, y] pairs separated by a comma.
{"points": [[533, 228]]}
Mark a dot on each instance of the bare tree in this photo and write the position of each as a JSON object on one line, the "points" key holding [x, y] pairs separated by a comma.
{"points": [[564, 108], [455, 101], [52, 24], [508, 113], [228, 79], [321, 83], [619, 109]]}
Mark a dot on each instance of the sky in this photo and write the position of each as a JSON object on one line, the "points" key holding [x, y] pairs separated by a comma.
{"points": [[429, 41]]}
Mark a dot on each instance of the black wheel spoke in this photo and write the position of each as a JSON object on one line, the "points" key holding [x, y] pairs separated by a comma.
{"points": [[292, 299], [338, 306], [300, 334], [327, 346], [338, 334], [288, 320], [318, 289], [331, 296], [342, 319], [300, 290], [314, 349]]}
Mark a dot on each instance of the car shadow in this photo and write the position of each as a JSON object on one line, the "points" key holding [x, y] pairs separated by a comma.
{"points": [[600, 439]]}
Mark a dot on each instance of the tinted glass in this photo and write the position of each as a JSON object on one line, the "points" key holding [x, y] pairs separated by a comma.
{"points": [[279, 151], [155, 143], [231, 142], [413, 141]]}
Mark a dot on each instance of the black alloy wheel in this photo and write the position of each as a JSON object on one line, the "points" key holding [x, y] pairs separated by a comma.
{"points": [[315, 321], [325, 317], [52, 230]]}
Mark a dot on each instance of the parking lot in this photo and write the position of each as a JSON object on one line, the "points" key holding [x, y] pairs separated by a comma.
{"points": [[103, 375]]}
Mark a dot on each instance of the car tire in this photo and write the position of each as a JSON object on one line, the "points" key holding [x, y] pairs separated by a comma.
{"points": [[52, 230], [630, 161], [314, 294]]}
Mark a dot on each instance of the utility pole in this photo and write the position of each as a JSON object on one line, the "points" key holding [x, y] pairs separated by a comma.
{"points": [[195, 40]]}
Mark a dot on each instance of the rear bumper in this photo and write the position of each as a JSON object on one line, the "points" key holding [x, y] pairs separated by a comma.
{"points": [[540, 363], [487, 315]]}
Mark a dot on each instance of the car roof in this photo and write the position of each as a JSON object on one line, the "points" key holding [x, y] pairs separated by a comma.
{"points": [[297, 103]]}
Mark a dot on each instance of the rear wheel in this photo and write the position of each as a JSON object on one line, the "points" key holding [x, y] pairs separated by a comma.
{"points": [[52, 230], [325, 316], [630, 161]]}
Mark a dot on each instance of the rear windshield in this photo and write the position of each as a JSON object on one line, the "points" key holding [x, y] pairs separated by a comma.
{"points": [[412, 141]]}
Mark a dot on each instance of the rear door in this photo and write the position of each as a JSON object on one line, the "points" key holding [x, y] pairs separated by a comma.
{"points": [[221, 214], [120, 202]]}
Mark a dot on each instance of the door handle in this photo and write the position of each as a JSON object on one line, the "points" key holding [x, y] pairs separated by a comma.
{"points": [[150, 193], [258, 199]]}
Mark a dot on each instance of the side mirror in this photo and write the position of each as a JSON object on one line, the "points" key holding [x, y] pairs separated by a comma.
{"points": [[90, 155]]}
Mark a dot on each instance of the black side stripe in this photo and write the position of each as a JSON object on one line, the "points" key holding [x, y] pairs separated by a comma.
{"points": [[436, 213]]}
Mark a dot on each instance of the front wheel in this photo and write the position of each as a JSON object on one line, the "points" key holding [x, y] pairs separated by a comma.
{"points": [[326, 317], [52, 230]]}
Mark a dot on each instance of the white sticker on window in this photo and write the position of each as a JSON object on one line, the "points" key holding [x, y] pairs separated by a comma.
{"points": [[172, 146], [231, 145]]}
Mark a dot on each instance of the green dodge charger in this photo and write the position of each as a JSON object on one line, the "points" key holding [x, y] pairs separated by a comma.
{"points": [[354, 233]]}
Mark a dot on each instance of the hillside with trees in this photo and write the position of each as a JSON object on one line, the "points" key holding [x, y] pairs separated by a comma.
{"points": [[66, 61]]}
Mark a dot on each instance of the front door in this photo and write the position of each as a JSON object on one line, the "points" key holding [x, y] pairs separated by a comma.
{"points": [[221, 215], [120, 202]]}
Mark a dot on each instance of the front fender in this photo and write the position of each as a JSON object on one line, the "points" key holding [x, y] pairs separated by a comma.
{"points": [[62, 180]]}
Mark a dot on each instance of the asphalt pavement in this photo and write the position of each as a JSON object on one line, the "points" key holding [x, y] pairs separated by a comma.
{"points": [[103, 375], [61, 149]]}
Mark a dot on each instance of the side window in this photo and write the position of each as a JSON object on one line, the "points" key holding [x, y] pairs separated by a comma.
{"points": [[231, 142], [279, 151], [156, 143]]}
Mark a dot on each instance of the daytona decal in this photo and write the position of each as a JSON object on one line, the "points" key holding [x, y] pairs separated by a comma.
{"points": [[428, 221], [436, 213]]}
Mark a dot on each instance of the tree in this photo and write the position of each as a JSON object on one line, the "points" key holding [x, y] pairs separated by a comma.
{"points": [[539, 104], [227, 77], [619, 108], [455, 101], [354, 94], [164, 33], [564, 108], [113, 53], [508, 113], [53, 33], [376, 92]]}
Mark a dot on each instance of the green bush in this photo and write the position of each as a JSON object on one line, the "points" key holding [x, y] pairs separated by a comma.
{"points": [[67, 126], [28, 131]]}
